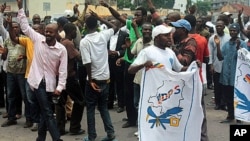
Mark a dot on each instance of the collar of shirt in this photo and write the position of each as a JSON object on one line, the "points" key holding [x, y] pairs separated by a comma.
{"points": [[55, 46]]}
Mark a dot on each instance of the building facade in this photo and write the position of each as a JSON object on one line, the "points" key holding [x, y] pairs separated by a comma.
{"points": [[217, 4], [43, 7]]}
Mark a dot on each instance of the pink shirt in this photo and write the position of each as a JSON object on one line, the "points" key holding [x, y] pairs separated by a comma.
{"points": [[48, 61]]}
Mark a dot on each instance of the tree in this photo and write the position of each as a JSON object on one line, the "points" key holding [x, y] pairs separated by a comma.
{"points": [[203, 7]]}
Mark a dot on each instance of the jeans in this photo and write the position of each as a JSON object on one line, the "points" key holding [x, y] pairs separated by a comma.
{"points": [[94, 98], [34, 106], [16, 81], [74, 91], [47, 120], [136, 95]]}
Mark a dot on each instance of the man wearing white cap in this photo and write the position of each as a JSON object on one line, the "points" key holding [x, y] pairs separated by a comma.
{"points": [[158, 52]]}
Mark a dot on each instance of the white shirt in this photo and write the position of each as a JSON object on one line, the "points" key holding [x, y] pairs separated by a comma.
{"points": [[93, 49], [166, 57], [213, 59], [48, 61], [113, 41]]}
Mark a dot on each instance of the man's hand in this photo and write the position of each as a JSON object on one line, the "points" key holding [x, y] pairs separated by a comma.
{"points": [[148, 64], [20, 57], [199, 63], [56, 92], [119, 61], [9, 19], [93, 14], [103, 3], [19, 4], [3, 6], [240, 12], [95, 86], [134, 24], [216, 40], [3, 50], [128, 43], [112, 53], [238, 44]]}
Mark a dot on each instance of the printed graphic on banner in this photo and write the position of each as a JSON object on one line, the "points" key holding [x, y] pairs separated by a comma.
{"points": [[242, 86], [170, 104]]}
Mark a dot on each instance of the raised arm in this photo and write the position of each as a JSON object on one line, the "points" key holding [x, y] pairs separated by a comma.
{"points": [[155, 16], [3, 31], [110, 25], [113, 12], [217, 42], [13, 36], [242, 30], [24, 24]]}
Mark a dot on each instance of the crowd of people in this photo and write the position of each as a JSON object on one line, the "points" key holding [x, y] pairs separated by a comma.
{"points": [[59, 68]]}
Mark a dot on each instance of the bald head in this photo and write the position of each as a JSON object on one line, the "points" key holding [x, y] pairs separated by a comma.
{"points": [[51, 32], [36, 19]]}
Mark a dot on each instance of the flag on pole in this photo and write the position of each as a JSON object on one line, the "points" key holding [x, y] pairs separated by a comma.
{"points": [[170, 105], [242, 86]]}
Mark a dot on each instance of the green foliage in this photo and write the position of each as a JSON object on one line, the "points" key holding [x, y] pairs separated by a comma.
{"points": [[203, 7]]}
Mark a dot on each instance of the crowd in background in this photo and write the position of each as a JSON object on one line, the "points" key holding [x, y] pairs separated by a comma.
{"points": [[85, 60]]}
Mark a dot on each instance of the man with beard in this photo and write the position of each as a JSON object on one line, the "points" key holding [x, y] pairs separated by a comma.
{"points": [[48, 64]]}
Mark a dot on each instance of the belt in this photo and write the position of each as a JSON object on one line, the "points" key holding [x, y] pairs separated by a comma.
{"points": [[101, 81]]}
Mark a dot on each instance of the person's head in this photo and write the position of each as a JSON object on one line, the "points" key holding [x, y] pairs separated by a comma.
{"points": [[115, 22], [36, 19], [161, 35], [172, 17], [209, 18], [91, 23], [51, 31], [70, 30], [220, 25], [182, 27], [147, 30], [234, 30], [248, 32], [140, 15], [224, 18], [38, 28], [124, 15], [245, 19], [192, 9], [191, 19], [16, 27], [61, 22]]}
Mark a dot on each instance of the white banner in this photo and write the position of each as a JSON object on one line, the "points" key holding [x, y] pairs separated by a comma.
{"points": [[170, 105], [242, 86]]}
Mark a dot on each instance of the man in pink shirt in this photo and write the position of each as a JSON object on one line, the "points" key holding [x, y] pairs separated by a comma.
{"points": [[48, 64]]}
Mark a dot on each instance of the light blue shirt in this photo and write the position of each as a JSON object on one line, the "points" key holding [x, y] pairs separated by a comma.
{"points": [[229, 53]]}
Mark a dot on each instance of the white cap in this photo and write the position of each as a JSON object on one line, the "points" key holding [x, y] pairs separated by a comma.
{"points": [[227, 13], [161, 29], [68, 13]]}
